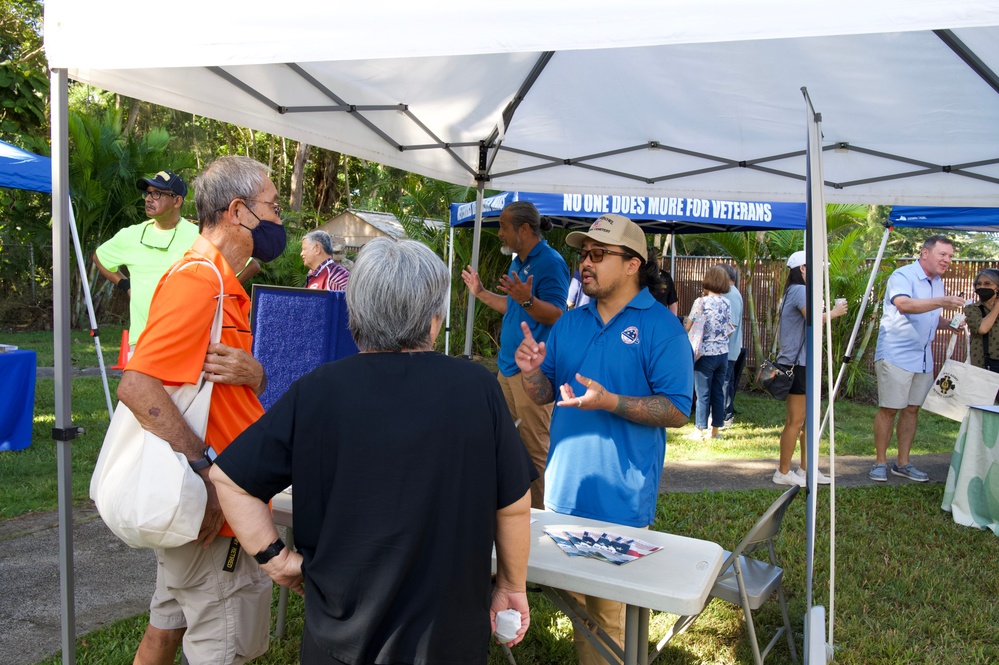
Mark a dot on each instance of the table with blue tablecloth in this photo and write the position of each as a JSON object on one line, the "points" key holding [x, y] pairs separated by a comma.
{"points": [[971, 494], [17, 398]]}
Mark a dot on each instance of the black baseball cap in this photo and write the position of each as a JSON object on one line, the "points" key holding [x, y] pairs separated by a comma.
{"points": [[164, 180]]}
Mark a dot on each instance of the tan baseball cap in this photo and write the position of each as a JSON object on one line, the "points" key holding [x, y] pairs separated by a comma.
{"points": [[613, 230]]}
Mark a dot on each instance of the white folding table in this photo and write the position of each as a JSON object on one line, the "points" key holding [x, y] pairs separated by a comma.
{"points": [[676, 579]]}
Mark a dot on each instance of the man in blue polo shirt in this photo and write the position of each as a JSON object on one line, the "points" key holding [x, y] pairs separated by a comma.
{"points": [[903, 361], [533, 292], [624, 370]]}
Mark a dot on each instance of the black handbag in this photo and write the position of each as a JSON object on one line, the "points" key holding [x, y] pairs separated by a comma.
{"points": [[774, 379]]}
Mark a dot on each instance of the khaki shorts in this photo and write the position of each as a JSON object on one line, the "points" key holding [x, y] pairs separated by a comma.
{"points": [[227, 615], [898, 388]]}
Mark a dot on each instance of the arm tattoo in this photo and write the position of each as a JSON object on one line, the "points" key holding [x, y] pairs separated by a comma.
{"points": [[538, 387], [655, 410]]}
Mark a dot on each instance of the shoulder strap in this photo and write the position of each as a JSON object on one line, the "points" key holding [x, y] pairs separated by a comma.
{"points": [[216, 333], [985, 342], [180, 265]]}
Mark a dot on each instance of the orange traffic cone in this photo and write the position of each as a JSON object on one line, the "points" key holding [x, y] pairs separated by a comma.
{"points": [[122, 352]]}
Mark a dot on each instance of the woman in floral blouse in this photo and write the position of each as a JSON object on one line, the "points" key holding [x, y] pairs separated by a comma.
{"points": [[710, 369]]}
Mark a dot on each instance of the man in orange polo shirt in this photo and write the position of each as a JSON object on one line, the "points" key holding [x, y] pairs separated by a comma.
{"points": [[218, 608]]}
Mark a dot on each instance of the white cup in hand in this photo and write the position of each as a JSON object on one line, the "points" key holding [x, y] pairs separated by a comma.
{"points": [[507, 625]]}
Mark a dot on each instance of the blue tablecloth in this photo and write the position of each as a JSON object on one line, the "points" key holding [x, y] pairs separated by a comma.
{"points": [[17, 398]]}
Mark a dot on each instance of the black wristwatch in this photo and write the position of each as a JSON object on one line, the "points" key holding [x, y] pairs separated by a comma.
{"points": [[263, 556], [206, 461], [527, 303]]}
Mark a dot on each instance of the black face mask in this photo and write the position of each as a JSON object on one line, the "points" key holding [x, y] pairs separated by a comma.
{"points": [[985, 295], [269, 239]]}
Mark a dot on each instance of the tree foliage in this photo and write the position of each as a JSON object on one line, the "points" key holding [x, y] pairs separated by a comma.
{"points": [[24, 84]]}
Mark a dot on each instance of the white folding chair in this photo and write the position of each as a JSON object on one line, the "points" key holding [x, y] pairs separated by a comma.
{"points": [[750, 582]]}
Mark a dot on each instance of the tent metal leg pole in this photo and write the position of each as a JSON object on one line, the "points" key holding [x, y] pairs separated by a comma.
{"points": [[828, 374], [848, 353], [450, 287], [64, 432], [470, 316], [90, 309], [815, 234]]}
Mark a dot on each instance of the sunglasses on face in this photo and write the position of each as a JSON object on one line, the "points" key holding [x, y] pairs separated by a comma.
{"points": [[596, 254]]}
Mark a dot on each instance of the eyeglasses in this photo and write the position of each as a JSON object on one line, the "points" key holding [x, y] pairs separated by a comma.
{"points": [[157, 194], [277, 206], [596, 255], [142, 238]]}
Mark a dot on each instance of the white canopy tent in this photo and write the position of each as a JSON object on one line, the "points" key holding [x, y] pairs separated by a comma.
{"points": [[699, 99]]}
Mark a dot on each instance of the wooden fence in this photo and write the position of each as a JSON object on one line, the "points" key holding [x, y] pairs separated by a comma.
{"points": [[767, 288]]}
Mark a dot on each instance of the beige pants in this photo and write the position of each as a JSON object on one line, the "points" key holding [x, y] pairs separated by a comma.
{"points": [[227, 614], [610, 615], [535, 423]]}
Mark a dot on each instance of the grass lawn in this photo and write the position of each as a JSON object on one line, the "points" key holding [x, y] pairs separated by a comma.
{"points": [[911, 586], [82, 352]]}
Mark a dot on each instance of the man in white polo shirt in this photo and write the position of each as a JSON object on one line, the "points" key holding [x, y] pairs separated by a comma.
{"points": [[903, 361]]}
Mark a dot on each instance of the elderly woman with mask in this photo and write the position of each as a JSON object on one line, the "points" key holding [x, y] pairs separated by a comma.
{"points": [[405, 475]]}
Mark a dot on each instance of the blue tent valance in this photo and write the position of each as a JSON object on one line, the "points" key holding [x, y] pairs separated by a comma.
{"points": [[959, 219], [654, 213]]}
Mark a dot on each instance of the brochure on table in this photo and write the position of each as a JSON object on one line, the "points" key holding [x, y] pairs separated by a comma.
{"points": [[604, 546]]}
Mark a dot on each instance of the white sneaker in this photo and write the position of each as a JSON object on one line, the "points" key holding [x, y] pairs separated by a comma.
{"points": [[820, 478], [696, 435], [789, 478], [728, 423]]}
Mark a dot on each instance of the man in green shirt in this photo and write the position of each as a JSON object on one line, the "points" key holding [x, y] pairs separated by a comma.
{"points": [[148, 249]]}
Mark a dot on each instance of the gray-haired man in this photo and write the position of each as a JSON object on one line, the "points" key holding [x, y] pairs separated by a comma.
{"points": [[208, 593], [324, 272]]}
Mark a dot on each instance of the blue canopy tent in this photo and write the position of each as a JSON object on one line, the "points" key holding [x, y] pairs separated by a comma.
{"points": [[655, 214], [20, 169]]}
